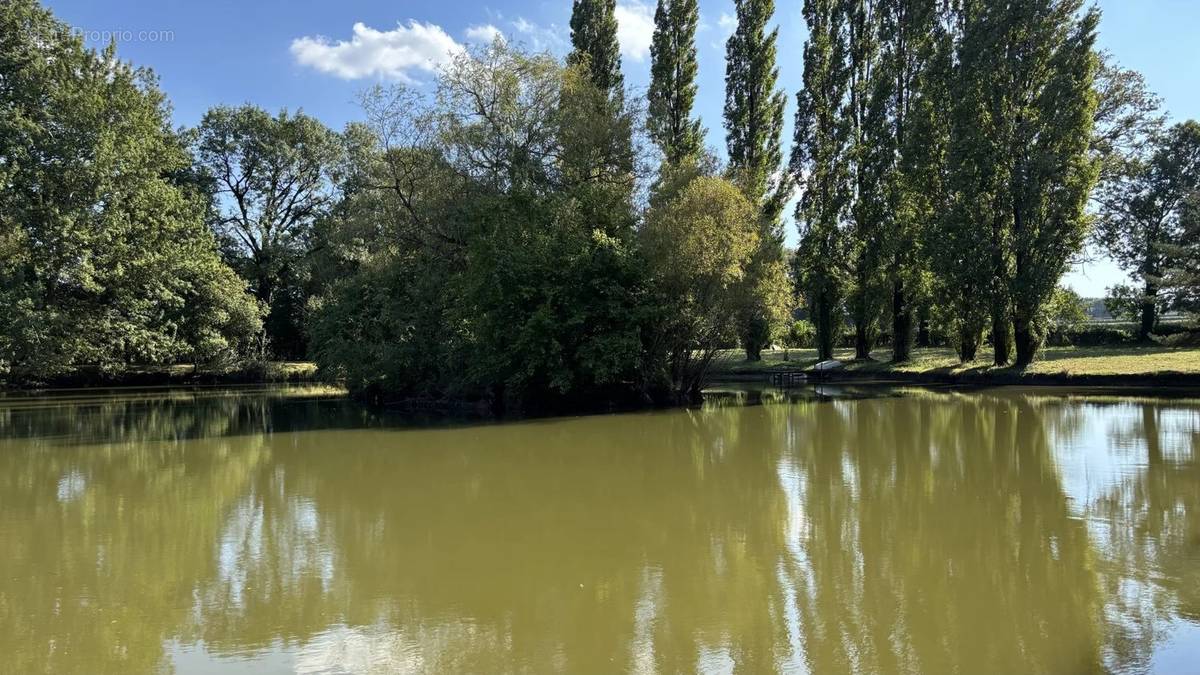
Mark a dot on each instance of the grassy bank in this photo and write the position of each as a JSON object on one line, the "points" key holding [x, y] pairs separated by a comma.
{"points": [[1147, 365], [178, 375]]}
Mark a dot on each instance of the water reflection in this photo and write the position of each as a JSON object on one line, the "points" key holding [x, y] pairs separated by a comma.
{"points": [[854, 531]]}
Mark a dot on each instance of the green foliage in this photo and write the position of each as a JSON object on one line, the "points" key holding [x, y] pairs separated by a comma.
{"points": [[672, 91], [488, 249], [910, 92], [1142, 207], [754, 108], [594, 44], [1063, 314], [1182, 278], [107, 261], [1129, 118], [487, 239], [819, 162], [753, 131], [1024, 105], [802, 334], [1126, 303], [699, 249], [271, 179]]}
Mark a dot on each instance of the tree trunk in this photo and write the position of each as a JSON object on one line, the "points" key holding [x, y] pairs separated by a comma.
{"points": [[753, 351], [924, 339], [1027, 342], [825, 336], [901, 325], [862, 343], [1000, 338], [968, 345], [1149, 313]]}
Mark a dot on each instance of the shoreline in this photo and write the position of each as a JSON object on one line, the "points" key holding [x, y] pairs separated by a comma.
{"points": [[1141, 368], [883, 377], [169, 377]]}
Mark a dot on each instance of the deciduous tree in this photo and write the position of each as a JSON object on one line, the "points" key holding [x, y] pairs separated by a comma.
{"points": [[819, 164], [272, 179], [1141, 209], [753, 133], [107, 260]]}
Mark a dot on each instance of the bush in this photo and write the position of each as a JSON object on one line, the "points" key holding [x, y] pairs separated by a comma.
{"points": [[1114, 333], [801, 335], [1093, 336]]}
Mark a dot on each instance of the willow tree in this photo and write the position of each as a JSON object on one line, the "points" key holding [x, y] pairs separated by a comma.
{"points": [[672, 92], [753, 132], [819, 164]]}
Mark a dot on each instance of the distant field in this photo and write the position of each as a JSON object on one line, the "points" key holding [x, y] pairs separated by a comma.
{"points": [[1058, 361]]}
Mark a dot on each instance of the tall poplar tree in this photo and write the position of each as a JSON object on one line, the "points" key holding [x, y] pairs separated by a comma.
{"points": [[673, 69], [594, 41], [753, 107], [753, 131], [870, 153], [819, 164], [599, 159], [911, 79], [1024, 112]]}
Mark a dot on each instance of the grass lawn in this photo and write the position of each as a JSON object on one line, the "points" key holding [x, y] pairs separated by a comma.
{"points": [[270, 370], [179, 374], [1053, 361]]}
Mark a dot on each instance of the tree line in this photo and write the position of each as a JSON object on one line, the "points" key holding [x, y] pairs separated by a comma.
{"points": [[529, 233], [953, 159]]}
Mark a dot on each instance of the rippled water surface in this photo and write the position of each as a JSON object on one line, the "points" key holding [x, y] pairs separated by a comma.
{"points": [[871, 531]]}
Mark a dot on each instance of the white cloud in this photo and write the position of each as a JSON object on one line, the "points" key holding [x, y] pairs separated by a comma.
{"points": [[524, 26], [375, 53], [539, 38], [485, 34], [727, 22], [635, 29]]}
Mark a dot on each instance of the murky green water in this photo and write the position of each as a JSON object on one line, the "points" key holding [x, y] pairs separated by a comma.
{"points": [[884, 532]]}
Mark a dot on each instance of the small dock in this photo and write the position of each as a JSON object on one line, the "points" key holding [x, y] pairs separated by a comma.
{"points": [[786, 379]]}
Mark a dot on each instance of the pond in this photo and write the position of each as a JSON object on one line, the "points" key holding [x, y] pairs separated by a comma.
{"points": [[821, 531]]}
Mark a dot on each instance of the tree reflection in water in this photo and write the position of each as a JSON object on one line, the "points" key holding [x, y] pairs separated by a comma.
{"points": [[876, 532]]}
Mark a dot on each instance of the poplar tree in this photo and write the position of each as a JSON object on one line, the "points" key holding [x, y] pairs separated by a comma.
{"points": [[819, 164], [673, 69], [753, 131], [911, 79], [753, 107], [1024, 114], [594, 43], [598, 158], [1052, 173], [871, 150]]}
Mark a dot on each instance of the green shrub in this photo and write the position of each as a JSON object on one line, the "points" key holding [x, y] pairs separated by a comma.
{"points": [[801, 335]]}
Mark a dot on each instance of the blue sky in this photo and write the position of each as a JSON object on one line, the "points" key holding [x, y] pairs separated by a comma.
{"points": [[315, 56]]}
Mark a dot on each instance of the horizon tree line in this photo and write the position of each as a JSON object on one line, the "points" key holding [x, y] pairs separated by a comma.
{"points": [[949, 161]]}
